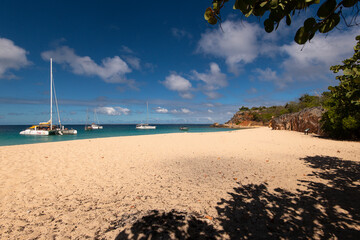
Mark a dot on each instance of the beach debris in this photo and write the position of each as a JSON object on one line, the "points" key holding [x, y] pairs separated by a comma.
{"points": [[208, 217], [267, 160], [235, 178], [132, 206]]}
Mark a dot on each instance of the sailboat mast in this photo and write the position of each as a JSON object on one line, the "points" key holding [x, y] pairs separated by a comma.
{"points": [[51, 93]]}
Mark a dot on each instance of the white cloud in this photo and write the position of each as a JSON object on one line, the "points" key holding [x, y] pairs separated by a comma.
{"points": [[111, 70], [312, 61], [11, 57], [179, 33], [134, 62], [238, 43], [212, 80], [177, 83], [127, 49], [182, 110], [185, 110], [253, 90], [113, 111], [269, 75], [161, 110]]}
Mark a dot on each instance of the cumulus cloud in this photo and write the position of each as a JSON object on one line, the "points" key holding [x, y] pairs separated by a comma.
{"points": [[310, 62], [11, 57], [182, 110], [212, 80], [113, 111], [315, 58], [161, 110], [177, 83], [111, 70], [238, 43]]}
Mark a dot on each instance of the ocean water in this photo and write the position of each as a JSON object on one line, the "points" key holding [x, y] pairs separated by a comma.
{"points": [[9, 134]]}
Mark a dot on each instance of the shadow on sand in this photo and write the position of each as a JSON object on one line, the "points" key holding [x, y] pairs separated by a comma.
{"points": [[328, 209]]}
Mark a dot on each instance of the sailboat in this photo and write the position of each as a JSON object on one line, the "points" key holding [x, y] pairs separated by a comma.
{"points": [[47, 128], [145, 125], [93, 126]]}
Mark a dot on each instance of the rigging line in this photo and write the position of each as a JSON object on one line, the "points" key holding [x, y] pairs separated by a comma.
{"points": [[56, 103]]}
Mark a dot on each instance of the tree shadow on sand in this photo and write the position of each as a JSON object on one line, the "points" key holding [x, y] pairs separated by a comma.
{"points": [[323, 211], [171, 225], [328, 209]]}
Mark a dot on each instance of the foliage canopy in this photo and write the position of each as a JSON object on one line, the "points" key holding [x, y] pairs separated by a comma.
{"points": [[328, 14], [342, 119]]}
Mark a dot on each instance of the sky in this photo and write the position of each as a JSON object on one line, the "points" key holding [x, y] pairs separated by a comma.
{"points": [[113, 57]]}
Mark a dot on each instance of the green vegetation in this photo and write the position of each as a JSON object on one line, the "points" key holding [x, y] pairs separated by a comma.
{"points": [[342, 104], [264, 114], [342, 119], [329, 14]]}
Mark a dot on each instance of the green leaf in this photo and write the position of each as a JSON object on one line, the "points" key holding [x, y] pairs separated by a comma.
{"points": [[330, 23], [274, 4], [349, 3], [208, 14], [288, 19], [263, 4], [309, 24], [212, 20], [269, 25], [301, 36], [348, 72], [326, 9]]}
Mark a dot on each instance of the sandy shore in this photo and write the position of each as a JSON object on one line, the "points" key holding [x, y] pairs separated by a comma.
{"points": [[240, 184]]}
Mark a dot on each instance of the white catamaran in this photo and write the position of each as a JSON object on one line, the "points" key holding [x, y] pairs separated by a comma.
{"points": [[146, 125], [47, 128]]}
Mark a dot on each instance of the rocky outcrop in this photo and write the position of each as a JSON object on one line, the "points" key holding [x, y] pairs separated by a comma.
{"points": [[308, 118], [244, 119]]}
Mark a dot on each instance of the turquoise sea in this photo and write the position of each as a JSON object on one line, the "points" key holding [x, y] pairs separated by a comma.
{"points": [[9, 134]]}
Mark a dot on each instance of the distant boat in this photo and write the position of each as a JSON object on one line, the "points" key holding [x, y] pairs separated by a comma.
{"points": [[183, 128], [93, 126], [145, 126], [47, 128]]}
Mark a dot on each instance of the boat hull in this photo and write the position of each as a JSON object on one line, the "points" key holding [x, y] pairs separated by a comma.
{"points": [[37, 132], [145, 127]]}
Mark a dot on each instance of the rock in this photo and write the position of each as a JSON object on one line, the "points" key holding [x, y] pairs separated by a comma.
{"points": [[245, 119], [308, 118]]}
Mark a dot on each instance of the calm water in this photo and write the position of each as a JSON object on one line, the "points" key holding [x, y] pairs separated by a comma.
{"points": [[9, 134]]}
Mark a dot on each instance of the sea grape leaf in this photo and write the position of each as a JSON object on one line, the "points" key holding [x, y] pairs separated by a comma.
{"points": [[326, 9]]}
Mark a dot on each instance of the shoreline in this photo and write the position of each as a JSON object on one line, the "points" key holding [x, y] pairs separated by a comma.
{"points": [[100, 188]]}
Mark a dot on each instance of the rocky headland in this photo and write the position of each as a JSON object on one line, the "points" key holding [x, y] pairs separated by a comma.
{"points": [[308, 118]]}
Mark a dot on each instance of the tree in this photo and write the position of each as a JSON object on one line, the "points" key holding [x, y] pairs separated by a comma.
{"points": [[342, 119], [328, 14]]}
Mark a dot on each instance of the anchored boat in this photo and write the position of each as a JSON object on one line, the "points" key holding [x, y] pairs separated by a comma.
{"points": [[47, 128]]}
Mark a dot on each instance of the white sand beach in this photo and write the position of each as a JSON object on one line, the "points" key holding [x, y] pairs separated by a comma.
{"points": [[222, 185]]}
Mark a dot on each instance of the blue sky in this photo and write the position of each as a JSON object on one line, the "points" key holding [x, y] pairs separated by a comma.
{"points": [[114, 56]]}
